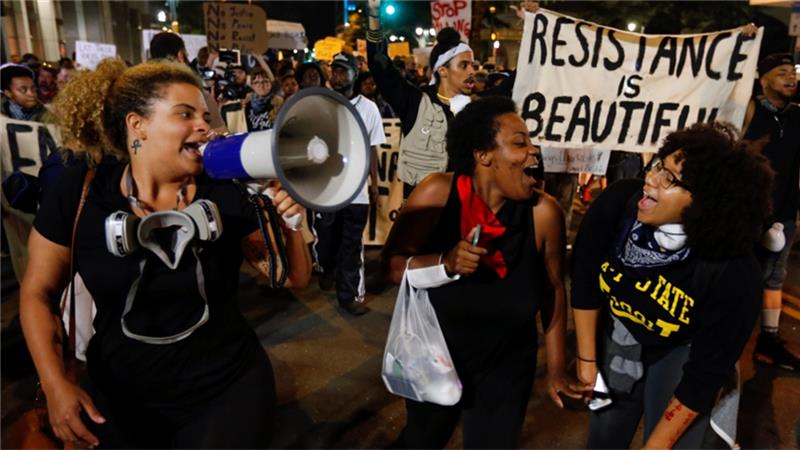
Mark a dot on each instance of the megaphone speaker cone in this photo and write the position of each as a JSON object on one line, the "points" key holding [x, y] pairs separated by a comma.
{"points": [[318, 149]]}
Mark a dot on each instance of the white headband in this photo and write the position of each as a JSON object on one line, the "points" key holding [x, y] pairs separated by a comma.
{"points": [[448, 55]]}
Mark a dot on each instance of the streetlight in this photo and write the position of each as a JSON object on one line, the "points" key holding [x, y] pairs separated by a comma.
{"points": [[402, 38], [390, 10], [392, 38], [631, 26], [496, 44], [432, 31], [161, 16], [492, 9], [418, 31]]}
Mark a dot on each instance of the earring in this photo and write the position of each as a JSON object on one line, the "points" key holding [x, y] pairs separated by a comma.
{"points": [[136, 146]]}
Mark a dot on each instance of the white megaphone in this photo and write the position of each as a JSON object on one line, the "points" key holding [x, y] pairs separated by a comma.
{"points": [[318, 149]]}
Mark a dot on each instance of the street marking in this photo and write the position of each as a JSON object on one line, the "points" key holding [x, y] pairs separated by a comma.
{"points": [[791, 298], [788, 310]]}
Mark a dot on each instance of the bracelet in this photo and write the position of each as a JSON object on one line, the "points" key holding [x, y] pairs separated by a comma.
{"points": [[585, 360]]}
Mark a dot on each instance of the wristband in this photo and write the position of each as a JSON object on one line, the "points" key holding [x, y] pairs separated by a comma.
{"points": [[585, 360]]}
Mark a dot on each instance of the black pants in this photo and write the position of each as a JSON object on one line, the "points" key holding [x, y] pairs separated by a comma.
{"points": [[493, 420], [239, 417], [340, 251], [614, 426]]}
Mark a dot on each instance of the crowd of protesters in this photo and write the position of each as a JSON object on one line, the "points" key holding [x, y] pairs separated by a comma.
{"points": [[465, 160]]}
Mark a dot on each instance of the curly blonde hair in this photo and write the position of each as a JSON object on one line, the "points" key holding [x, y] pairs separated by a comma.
{"points": [[91, 108]]}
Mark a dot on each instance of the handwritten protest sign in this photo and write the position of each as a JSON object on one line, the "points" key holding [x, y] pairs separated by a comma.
{"points": [[236, 26], [390, 188], [575, 160], [24, 146], [456, 14], [582, 85], [89, 54]]}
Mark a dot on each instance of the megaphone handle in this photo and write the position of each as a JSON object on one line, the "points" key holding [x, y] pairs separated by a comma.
{"points": [[293, 222], [272, 213]]}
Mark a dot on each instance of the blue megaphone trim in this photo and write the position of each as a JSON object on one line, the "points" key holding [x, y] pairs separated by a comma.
{"points": [[221, 158]]}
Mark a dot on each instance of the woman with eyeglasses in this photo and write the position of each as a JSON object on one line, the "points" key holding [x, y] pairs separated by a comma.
{"points": [[666, 289]]}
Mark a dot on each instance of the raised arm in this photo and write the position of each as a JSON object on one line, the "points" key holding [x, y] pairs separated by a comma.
{"points": [[403, 96], [45, 278]]}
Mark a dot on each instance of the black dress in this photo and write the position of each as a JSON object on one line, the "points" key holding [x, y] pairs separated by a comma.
{"points": [[171, 385]]}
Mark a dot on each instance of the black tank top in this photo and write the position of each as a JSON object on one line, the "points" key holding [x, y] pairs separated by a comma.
{"points": [[486, 319]]}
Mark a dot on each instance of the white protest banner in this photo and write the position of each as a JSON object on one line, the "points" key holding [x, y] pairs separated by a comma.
{"points": [[89, 54], [235, 26], [575, 160], [390, 188], [454, 14], [24, 146], [582, 85]]}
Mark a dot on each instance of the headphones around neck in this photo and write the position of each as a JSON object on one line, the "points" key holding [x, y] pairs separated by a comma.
{"points": [[126, 233]]}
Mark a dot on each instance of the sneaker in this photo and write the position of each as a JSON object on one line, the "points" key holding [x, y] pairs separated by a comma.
{"points": [[771, 350], [355, 308]]}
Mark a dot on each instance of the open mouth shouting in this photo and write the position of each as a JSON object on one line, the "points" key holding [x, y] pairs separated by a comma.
{"points": [[193, 148], [647, 202]]}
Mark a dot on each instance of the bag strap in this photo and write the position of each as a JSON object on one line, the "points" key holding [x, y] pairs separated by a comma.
{"points": [[69, 352]]}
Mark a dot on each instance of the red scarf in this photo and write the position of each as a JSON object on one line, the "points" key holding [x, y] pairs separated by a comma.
{"points": [[473, 212]]}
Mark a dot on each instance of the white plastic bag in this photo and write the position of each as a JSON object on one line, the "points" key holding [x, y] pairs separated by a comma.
{"points": [[416, 362]]}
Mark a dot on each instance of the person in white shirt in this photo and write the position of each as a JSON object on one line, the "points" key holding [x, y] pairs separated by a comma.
{"points": [[339, 249]]}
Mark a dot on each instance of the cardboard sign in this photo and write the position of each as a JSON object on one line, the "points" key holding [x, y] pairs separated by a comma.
{"points": [[454, 14], [399, 49], [582, 85], [390, 188], [575, 160], [236, 26], [89, 54], [325, 49]]}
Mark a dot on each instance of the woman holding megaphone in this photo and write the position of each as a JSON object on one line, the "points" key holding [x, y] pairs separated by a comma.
{"points": [[159, 245]]}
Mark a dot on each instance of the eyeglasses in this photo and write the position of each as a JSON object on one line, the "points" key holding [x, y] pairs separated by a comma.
{"points": [[665, 177]]}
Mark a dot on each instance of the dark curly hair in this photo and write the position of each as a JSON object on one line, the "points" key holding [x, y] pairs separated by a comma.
{"points": [[730, 182], [475, 128]]}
